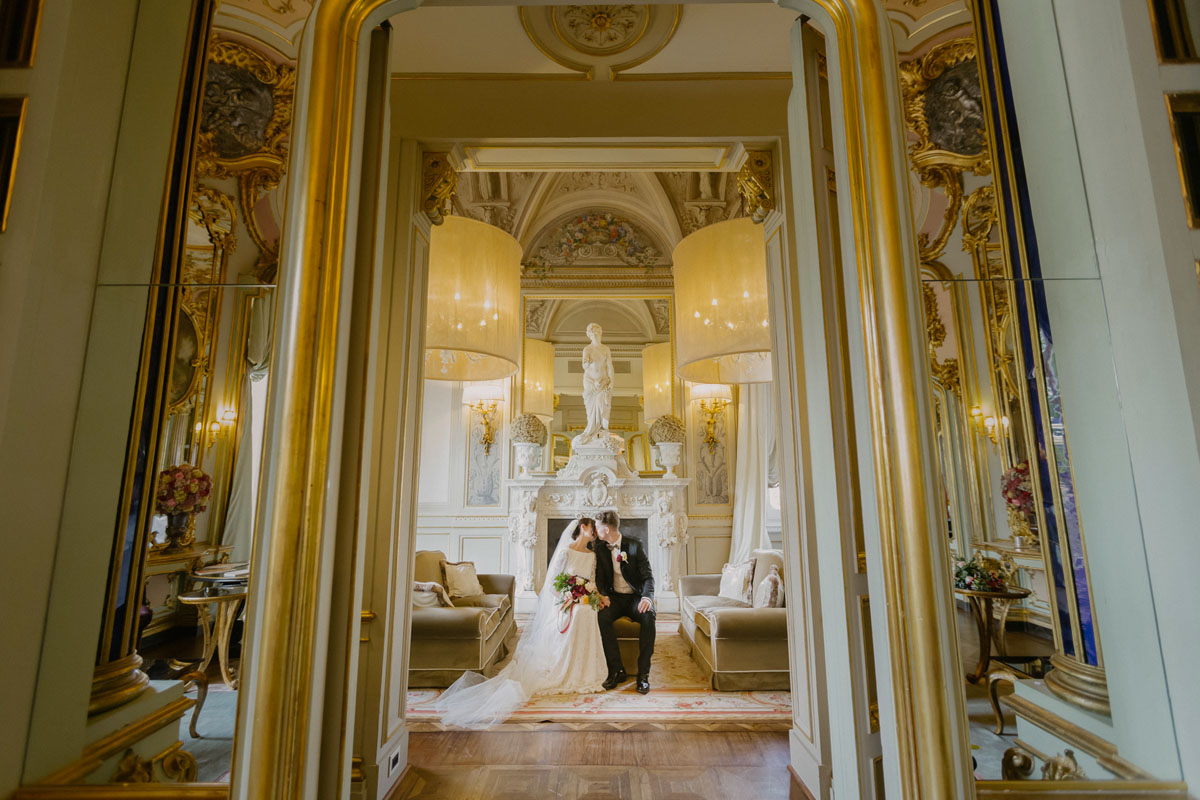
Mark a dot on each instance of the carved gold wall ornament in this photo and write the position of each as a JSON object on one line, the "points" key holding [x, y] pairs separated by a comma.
{"points": [[246, 119], [1016, 764], [1062, 768], [943, 108], [439, 182], [756, 182], [946, 371], [176, 765], [132, 768]]}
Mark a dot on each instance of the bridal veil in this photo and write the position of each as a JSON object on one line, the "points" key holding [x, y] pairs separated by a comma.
{"points": [[474, 701]]}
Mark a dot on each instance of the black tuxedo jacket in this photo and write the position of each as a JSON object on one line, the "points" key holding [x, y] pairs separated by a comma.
{"points": [[635, 568]]}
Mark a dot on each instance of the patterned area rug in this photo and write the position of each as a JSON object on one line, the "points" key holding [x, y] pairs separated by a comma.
{"points": [[680, 697]]}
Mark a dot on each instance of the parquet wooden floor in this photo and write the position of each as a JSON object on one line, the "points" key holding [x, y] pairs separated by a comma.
{"points": [[596, 765]]}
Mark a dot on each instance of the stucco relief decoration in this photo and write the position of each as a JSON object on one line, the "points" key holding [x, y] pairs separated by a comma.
{"points": [[660, 313], [483, 467], [594, 236], [601, 30], [600, 40], [622, 182], [702, 198], [943, 110], [536, 316], [595, 492], [712, 468], [523, 532]]}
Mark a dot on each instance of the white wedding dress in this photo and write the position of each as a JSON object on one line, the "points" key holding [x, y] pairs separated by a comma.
{"points": [[547, 661]]}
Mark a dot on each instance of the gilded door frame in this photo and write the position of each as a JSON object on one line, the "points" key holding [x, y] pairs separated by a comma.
{"points": [[287, 637]]}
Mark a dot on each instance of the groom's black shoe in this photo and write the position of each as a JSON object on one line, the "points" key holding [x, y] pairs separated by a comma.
{"points": [[614, 680], [643, 684]]}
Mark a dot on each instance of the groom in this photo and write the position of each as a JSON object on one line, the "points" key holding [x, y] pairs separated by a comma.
{"points": [[623, 577]]}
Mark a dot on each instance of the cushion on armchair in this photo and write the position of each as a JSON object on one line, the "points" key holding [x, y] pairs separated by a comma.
{"points": [[736, 581], [461, 580]]}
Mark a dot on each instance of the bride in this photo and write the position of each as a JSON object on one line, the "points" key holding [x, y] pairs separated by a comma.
{"points": [[548, 659]]}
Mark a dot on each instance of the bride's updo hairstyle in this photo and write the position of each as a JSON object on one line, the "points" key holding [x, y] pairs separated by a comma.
{"points": [[587, 522]]}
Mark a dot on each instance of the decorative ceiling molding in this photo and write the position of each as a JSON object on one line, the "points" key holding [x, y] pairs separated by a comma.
{"points": [[638, 196], [558, 157], [626, 321], [600, 40], [656, 280], [594, 236], [701, 198]]}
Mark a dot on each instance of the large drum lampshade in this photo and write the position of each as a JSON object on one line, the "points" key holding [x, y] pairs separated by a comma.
{"points": [[722, 322], [538, 378], [658, 381], [473, 319]]}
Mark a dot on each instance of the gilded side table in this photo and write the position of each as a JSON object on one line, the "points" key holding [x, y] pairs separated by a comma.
{"points": [[985, 623], [217, 625]]}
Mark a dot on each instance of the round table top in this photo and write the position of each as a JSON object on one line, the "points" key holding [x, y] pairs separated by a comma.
{"points": [[1010, 593], [214, 594], [222, 573]]}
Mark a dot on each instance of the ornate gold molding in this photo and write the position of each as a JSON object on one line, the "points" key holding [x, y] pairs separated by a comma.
{"points": [[280, 79], [941, 152], [756, 183], [945, 372], [439, 182]]}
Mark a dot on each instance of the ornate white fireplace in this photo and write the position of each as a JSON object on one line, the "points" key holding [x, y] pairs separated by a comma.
{"points": [[596, 479]]}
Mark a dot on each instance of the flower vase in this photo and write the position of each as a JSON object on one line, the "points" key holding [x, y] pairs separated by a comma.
{"points": [[668, 455], [180, 531], [529, 455], [1024, 537]]}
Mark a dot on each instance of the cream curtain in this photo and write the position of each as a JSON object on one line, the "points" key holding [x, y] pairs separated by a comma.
{"points": [[243, 488], [753, 469]]}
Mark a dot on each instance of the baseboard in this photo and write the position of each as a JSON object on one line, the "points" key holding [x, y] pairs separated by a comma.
{"points": [[797, 790]]}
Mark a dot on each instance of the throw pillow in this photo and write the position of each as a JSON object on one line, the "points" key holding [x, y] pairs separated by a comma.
{"points": [[736, 581], [430, 595], [461, 580], [769, 593]]}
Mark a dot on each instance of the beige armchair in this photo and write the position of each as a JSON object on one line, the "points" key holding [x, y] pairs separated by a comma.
{"points": [[471, 637], [739, 647]]}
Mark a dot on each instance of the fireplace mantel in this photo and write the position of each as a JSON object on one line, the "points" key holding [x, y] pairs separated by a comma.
{"points": [[597, 480]]}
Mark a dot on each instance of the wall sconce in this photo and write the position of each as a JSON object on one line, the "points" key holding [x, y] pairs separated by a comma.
{"points": [[713, 397], [482, 398], [989, 425], [222, 425]]}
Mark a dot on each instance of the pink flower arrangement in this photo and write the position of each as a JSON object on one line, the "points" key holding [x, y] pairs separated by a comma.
{"points": [[622, 556], [182, 490], [1018, 488]]}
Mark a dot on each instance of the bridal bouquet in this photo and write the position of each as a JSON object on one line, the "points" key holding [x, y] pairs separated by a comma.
{"points": [[574, 590]]}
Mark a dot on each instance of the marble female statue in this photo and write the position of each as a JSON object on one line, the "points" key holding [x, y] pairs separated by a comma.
{"points": [[597, 385]]}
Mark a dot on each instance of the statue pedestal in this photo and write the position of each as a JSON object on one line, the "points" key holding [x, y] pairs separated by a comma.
{"points": [[598, 478]]}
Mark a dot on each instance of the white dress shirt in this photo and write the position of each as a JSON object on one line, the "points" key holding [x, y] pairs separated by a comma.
{"points": [[620, 585]]}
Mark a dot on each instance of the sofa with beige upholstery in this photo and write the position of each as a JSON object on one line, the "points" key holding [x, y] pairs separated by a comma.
{"points": [[472, 636], [739, 647]]}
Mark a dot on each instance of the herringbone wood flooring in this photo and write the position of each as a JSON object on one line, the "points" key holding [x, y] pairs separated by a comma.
{"points": [[596, 765]]}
